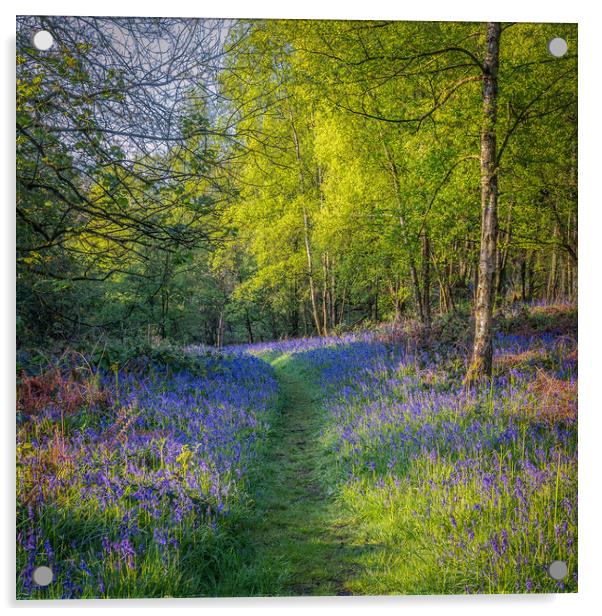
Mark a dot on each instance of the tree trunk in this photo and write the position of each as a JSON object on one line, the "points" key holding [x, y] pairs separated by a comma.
{"points": [[552, 277], [417, 292], [376, 294], [394, 292], [249, 326], [164, 311], [220, 330], [523, 278], [450, 290], [502, 258], [570, 263], [165, 295], [304, 317], [325, 309], [310, 274], [343, 305], [446, 303], [426, 282], [333, 296], [574, 268], [294, 310], [481, 362], [531, 274], [404, 239]]}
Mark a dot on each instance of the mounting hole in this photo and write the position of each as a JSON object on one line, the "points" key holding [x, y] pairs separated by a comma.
{"points": [[557, 47], [42, 40], [43, 576], [558, 570]]}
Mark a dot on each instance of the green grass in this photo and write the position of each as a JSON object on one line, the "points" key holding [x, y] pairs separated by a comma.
{"points": [[298, 542], [303, 527], [316, 533], [308, 535]]}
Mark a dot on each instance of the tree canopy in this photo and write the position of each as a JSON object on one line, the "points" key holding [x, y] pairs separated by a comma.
{"points": [[222, 181]]}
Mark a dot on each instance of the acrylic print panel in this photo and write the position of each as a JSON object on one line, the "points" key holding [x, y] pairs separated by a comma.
{"points": [[296, 308]]}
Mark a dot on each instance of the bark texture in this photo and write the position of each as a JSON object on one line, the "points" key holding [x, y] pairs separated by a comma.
{"points": [[480, 365]]}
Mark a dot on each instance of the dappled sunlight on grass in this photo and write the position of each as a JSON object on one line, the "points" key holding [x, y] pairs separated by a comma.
{"points": [[135, 497], [464, 491]]}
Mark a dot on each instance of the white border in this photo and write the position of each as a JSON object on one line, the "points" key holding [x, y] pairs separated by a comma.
{"points": [[590, 430]]}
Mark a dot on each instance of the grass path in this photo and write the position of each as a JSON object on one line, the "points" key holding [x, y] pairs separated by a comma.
{"points": [[300, 546]]}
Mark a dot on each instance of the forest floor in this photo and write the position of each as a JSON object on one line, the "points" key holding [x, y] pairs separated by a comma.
{"points": [[367, 471], [330, 517], [298, 533]]}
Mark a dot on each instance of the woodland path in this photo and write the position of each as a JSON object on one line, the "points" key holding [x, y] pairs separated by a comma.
{"points": [[298, 535]]}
